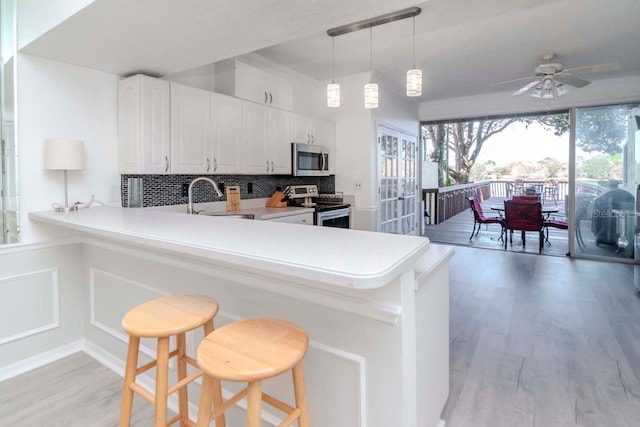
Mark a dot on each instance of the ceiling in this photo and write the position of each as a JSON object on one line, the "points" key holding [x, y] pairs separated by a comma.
{"points": [[462, 46]]}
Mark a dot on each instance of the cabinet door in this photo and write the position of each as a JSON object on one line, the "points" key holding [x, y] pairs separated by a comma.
{"points": [[280, 92], [144, 138], [251, 83], [279, 141], [190, 130], [300, 129], [255, 124], [317, 131], [226, 127]]}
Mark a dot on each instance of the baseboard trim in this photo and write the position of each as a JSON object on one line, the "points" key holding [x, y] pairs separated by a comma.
{"points": [[39, 360]]}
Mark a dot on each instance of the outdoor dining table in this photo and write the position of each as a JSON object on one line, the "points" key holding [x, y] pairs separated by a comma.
{"points": [[546, 210]]}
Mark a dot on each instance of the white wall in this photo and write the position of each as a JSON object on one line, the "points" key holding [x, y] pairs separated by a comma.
{"points": [[36, 17], [356, 141], [600, 92], [57, 100]]}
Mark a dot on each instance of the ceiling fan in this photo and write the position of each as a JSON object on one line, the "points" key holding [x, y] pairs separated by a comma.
{"points": [[551, 78]]}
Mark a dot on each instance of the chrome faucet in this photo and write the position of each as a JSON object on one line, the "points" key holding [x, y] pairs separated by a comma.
{"points": [[190, 192]]}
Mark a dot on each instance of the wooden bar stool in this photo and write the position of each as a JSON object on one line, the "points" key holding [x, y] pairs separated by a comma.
{"points": [[252, 351], [161, 318]]}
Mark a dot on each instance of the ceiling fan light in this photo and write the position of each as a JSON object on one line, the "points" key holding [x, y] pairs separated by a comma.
{"points": [[561, 89], [414, 82], [542, 93], [333, 95], [371, 95]]}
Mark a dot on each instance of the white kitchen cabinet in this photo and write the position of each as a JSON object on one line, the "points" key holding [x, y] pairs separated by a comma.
{"points": [[279, 144], [190, 130], [266, 146], [304, 219], [307, 130], [237, 78], [144, 136], [255, 136], [225, 155]]}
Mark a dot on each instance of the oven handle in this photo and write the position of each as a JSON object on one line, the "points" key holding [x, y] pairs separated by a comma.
{"points": [[338, 213]]}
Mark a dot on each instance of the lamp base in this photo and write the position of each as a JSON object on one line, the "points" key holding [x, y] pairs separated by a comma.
{"points": [[65, 208]]}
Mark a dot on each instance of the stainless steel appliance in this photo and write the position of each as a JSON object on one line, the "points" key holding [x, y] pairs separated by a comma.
{"points": [[309, 160], [330, 210]]}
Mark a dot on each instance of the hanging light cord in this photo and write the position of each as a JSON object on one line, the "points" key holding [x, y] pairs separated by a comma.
{"points": [[333, 59], [371, 53], [414, 42]]}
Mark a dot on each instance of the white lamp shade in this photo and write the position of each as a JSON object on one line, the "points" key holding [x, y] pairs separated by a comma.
{"points": [[333, 95], [371, 95], [67, 154], [414, 82]]}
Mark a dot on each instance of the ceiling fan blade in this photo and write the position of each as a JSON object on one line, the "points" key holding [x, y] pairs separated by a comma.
{"points": [[601, 68], [512, 81], [526, 88], [571, 80]]}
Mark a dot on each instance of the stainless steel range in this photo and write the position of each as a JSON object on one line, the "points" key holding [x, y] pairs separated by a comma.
{"points": [[330, 210]]}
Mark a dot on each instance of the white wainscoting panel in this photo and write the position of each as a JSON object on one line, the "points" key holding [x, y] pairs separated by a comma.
{"points": [[111, 296], [29, 304]]}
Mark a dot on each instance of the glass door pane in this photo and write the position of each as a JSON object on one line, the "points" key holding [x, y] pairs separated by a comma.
{"points": [[606, 181]]}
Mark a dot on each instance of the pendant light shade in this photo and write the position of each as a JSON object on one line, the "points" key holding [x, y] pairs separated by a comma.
{"points": [[414, 82], [333, 95], [371, 95], [333, 89], [414, 76]]}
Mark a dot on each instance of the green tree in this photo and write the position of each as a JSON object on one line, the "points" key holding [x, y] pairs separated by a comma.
{"points": [[465, 139], [551, 166], [598, 129], [603, 167]]}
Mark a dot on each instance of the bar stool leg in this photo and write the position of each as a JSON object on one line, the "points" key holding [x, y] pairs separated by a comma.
{"points": [[204, 408], [162, 382], [217, 386], [300, 393], [254, 403], [129, 378], [183, 404]]}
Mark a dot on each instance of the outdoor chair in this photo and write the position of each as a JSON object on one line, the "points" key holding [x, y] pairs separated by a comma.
{"points": [[479, 218], [523, 216], [554, 223]]}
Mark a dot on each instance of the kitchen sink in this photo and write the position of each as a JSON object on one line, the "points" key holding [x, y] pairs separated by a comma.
{"points": [[228, 214]]}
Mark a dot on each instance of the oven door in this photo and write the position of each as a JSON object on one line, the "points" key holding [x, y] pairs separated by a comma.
{"points": [[338, 218]]}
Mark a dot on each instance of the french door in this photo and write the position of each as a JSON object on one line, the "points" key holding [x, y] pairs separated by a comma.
{"points": [[397, 182]]}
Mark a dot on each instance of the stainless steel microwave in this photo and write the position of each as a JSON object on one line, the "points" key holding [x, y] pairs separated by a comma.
{"points": [[310, 160]]}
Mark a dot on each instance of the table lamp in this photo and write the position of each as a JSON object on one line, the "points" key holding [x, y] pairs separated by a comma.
{"points": [[64, 154]]}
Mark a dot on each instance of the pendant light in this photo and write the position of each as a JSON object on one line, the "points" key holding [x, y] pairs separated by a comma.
{"points": [[333, 89], [371, 89], [414, 76]]}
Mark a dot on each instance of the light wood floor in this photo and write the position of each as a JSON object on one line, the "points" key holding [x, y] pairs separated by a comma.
{"points": [[535, 341]]}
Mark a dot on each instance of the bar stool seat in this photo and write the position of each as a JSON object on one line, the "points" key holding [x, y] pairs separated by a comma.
{"points": [[251, 351], [162, 318]]}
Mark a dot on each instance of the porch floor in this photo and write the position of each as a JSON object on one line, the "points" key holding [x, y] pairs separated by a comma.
{"points": [[457, 229]]}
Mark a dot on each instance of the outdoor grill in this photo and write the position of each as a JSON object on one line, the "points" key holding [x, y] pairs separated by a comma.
{"points": [[604, 224]]}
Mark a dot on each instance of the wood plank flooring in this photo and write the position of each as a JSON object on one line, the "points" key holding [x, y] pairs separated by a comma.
{"points": [[535, 341]]}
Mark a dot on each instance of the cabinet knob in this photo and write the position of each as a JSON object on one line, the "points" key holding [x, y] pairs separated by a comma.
{"points": [[215, 164], [270, 98], [266, 97], [166, 164], [267, 166], [208, 165], [272, 167]]}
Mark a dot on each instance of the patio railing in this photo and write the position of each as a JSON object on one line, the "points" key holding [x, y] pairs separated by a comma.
{"points": [[442, 203]]}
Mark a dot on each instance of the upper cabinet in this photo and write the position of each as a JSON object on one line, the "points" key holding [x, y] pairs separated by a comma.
{"points": [[190, 130], [144, 117], [266, 134], [226, 134], [237, 78], [167, 127]]}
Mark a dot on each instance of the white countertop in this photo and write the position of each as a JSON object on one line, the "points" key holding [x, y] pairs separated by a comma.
{"points": [[348, 258], [255, 207]]}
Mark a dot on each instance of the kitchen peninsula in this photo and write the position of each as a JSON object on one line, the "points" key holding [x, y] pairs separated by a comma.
{"points": [[375, 306]]}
